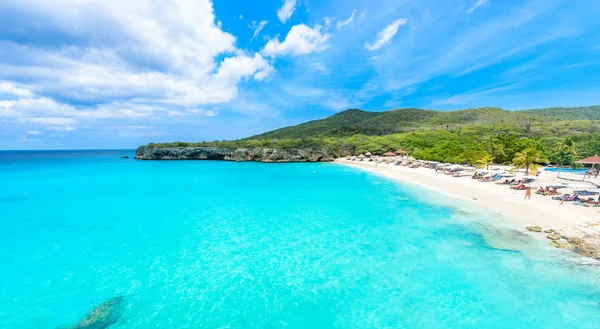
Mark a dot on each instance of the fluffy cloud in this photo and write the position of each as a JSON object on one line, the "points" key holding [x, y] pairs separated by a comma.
{"points": [[300, 40], [10, 88], [285, 12], [385, 36], [44, 111], [123, 59], [234, 69]]}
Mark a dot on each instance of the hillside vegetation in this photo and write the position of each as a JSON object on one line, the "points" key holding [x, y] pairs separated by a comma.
{"points": [[568, 113], [354, 121], [562, 134]]}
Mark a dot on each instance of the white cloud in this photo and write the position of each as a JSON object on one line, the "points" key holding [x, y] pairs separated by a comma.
{"points": [[257, 28], [62, 128], [477, 4], [300, 40], [234, 69], [349, 21], [318, 66], [150, 61], [12, 89], [195, 112], [285, 12], [54, 122], [63, 117], [33, 132], [327, 22], [385, 36]]}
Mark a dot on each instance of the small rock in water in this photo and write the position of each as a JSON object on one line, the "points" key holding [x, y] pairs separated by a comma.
{"points": [[533, 228], [103, 315], [574, 240], [549, 231], [553, 236], [124, 157], [559, 244]]}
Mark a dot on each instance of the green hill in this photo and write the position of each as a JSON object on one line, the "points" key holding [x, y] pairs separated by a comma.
{"points": [[470, 135], [346, 123], [568, 113], [354, 121]]}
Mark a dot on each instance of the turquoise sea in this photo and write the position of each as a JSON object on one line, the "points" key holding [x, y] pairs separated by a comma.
{"points": [[201, 244]]}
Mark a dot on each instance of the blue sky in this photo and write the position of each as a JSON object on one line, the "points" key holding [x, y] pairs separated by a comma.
{"points": [[116, 74]]}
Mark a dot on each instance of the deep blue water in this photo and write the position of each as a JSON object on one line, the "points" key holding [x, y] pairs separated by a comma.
{"points": [[201, 244]]}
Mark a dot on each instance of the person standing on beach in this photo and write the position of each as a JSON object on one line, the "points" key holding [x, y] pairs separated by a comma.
{"points": [[528, 194]]}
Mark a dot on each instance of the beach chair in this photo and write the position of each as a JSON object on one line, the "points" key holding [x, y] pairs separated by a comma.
{"points": [[520, 187], [573, 197], [561, 197]]}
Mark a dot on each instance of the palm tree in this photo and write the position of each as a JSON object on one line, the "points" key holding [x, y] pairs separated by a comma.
{"points": [[563, 153], [528, 159], [485, 161]]}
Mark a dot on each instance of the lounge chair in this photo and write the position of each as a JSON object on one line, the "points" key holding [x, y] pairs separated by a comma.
{"points": [[585, 192], [520, 187], [561, 197], [573, 197]]}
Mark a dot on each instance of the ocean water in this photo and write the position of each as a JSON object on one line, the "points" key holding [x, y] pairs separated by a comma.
{"points": [[201, 244]]}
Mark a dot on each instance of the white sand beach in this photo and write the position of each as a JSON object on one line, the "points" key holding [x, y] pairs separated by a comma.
{"points": [[567, 218]]}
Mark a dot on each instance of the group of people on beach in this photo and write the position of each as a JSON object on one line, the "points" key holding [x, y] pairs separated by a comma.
{"points": [[593, 172]]}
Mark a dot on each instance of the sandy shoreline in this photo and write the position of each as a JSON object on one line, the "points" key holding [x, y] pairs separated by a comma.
{"points": [[568, 219]]}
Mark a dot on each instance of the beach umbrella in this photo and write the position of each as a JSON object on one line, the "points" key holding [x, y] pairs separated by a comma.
{"points": [[368, 154], [389, 154], [411, 159], [400, 151], [361, 156]]}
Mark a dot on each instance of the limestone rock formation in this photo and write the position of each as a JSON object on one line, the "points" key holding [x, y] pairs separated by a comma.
{"points": [[554, 236], [242, 154]]}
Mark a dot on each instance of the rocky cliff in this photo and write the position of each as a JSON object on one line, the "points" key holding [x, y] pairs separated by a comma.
{"points": [[241, 154]]}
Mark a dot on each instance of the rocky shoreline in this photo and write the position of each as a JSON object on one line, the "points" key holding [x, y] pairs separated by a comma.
{"points": [[239, 155], [586, 246]]}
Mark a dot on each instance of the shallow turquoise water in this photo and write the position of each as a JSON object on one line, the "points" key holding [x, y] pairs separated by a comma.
{"points": [[251, 245]]}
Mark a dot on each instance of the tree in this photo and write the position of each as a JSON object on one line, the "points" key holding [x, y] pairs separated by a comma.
{"points": [[485, 161], [528, 159], [563, 153]]}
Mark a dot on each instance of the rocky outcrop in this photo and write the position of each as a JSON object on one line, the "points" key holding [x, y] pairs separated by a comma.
{"points": [[103, 315], [559, 244], [242, 154], [553, 236], [533, 228]]}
